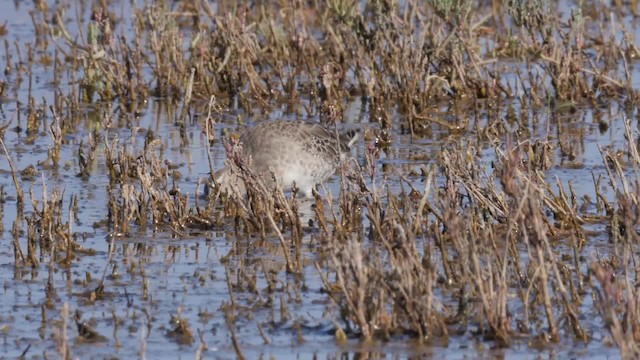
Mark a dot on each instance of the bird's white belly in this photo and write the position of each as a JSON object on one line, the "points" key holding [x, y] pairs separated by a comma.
{"points": [[305, 175]]}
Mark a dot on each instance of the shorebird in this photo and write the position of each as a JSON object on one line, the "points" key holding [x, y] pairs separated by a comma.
{"points": [[295, 152]]}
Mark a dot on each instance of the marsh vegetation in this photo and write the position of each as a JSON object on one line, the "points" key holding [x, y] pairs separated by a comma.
{"points": [[491, 207]]}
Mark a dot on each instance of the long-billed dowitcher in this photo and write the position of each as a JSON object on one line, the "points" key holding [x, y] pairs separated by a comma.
{"points": [[295, 152]]}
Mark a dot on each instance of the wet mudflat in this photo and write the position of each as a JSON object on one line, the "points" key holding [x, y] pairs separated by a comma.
{"points": [[490, 210]]}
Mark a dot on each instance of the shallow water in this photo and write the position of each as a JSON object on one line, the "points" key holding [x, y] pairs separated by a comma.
{"points": [[154, 274]]}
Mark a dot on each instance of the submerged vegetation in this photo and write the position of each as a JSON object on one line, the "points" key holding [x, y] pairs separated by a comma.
{"points": [[501, 225]]}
